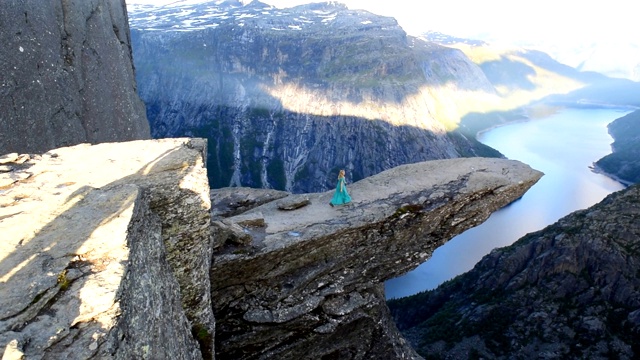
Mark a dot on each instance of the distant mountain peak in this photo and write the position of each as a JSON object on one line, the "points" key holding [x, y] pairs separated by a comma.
{"points": [[444, 39], [194, 15]]}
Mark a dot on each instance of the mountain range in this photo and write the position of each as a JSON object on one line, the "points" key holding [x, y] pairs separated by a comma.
{"points": [[287, 97], [121, 250]]}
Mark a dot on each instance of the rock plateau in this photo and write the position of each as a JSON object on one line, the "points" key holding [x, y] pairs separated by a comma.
{"points": [[307, 283], [106, 252]]}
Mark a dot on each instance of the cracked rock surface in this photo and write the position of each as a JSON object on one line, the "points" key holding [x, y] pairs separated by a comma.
{"points": [[103, 252]]}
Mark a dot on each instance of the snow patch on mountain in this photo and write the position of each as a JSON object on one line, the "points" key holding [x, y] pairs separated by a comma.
{"points": [[193, 15]]}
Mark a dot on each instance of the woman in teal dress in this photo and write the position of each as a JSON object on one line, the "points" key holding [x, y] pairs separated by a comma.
{"points": [[341, 196]]}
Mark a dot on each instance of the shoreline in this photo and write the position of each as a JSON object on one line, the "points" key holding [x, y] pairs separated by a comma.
{"points": [[598, 170], [593, 167]]}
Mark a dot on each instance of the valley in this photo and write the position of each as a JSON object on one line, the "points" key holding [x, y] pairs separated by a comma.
{"points": [[186, 246]]}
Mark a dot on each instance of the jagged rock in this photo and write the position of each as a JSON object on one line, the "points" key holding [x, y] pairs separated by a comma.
{"points": [[8, 158], [232, 201], [251, 220], [230, 232], [293, 202], [309, 286], [67, 75], [571, 290], [106, 251]]}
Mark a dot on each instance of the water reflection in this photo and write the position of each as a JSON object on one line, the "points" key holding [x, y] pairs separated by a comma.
{"points": [[563, 146]]}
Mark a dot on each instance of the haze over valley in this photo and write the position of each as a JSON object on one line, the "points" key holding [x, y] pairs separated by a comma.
{"points": [[168, 171]]}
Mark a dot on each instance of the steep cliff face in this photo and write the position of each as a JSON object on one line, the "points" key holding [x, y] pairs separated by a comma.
{"points": [[571, 290], [288, 97], [624, 162], [105, 252], [307, 283], [67, 75]]}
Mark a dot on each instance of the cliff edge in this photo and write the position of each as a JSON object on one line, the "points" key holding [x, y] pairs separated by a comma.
{"points": [[67, 75], [298, 279], [569, 291], [110, 250], [105, 252]]}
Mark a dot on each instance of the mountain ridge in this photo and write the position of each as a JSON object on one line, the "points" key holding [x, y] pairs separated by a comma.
{"points": [[340, 89]]}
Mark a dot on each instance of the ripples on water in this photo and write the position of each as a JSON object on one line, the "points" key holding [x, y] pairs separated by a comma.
{"points": [[563, 146]]}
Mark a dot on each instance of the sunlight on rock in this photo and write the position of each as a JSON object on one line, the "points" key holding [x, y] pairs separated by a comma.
{"points": [[429, 107], [16, 268], [108, 255]]}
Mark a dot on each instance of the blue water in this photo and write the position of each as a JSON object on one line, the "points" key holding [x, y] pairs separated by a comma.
{"points": [[563, 146]]}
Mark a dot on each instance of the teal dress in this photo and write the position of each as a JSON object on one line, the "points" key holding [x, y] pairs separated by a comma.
{"points": [[341, 196]]}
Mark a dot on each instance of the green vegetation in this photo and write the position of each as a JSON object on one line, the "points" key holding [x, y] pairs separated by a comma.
{"points": [[276, 174], [441, 327], [259, 112], [408, 209], [303, 174], [63, 281], [624, 162], [469, 146], [204, 338], [251, 167]]}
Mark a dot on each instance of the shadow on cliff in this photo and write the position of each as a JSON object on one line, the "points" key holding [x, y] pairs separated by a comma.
{"points": [[303, 153], [46, 259]]}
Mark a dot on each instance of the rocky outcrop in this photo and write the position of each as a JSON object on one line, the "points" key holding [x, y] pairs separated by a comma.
{"points": [[571, 290], [287, 97], [624, 162], [67, 75], [106, 251], [307, 283]]}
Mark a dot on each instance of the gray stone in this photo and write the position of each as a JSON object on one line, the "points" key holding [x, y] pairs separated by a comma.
{"points": [[108, 255], [67, 75], [230, 233], [293, 202], [255, 219], [9, 158], [232, 201], [315, 274]]}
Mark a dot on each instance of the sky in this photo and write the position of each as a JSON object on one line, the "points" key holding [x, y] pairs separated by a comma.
{"points": [[569, 30], [589, 35], [508, 20]]}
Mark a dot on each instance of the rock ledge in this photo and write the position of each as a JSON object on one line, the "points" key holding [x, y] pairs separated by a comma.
{"points": [[103, 252]]}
